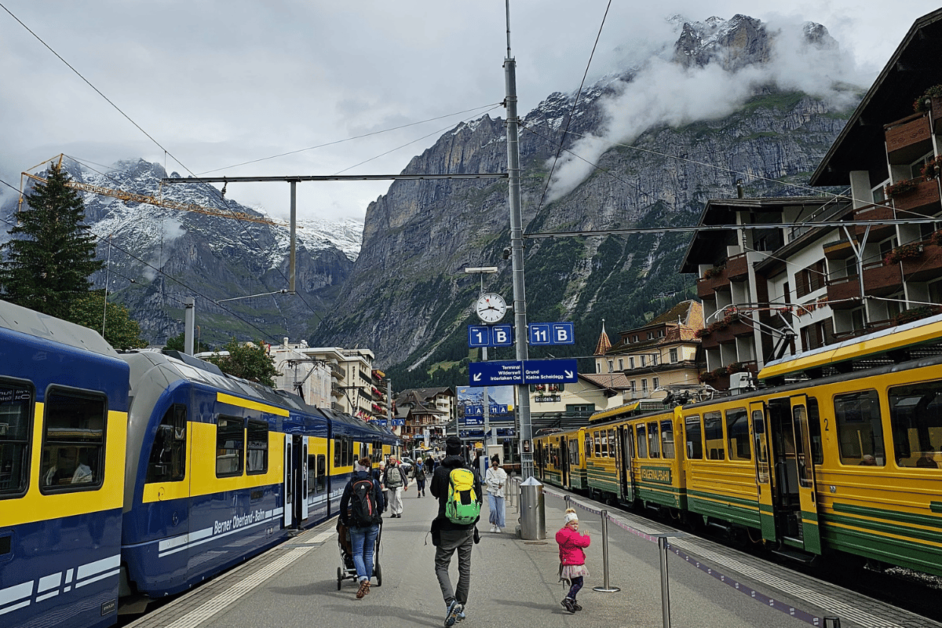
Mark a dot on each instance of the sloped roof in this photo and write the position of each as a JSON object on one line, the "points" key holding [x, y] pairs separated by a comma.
{"points": [[604, 344], [615, 381]]}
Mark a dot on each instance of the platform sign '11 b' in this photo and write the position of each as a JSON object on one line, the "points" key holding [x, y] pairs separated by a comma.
{"points": [[551, 333]]}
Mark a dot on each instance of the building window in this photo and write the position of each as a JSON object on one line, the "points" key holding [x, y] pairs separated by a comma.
{"points": [[810, 279], [631, 362], [650, 335], [644, 385], [598, 367], [660, 333], [654, 359], [655, 383], [621, 364], [644, 361], [673, 354], [611, 366], [632, 384]]}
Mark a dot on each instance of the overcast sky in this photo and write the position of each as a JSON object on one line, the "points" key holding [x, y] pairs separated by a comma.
{"points": [[219, 83]]}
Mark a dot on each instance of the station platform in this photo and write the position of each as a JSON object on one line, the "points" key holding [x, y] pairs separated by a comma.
{"points": [[514, 582]]}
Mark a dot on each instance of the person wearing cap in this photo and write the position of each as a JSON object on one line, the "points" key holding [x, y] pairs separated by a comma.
{"points": [[449, 537], [572, 568]]}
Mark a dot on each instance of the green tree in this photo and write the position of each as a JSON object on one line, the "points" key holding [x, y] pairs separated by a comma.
{"points": [[176, 344], [52, 253], [121, 331], [249, 361]]}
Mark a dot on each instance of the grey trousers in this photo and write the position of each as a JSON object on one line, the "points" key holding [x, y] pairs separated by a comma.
{"points": [[463, 541]]}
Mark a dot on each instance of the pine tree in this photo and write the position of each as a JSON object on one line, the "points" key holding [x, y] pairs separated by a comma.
{"points": [[52, 253]]}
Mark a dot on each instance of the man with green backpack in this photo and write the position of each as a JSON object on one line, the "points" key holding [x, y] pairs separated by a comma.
{"points": [[458, 489]]}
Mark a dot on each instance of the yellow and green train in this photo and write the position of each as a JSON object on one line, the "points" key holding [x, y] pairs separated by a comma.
{"points": [[846, 463]]}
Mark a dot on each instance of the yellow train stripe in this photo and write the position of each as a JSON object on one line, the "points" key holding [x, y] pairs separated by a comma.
{"points": [[250, 405]]}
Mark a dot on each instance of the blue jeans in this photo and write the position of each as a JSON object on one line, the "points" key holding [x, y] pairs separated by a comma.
{"points": [[363, 542], [496, 505]]}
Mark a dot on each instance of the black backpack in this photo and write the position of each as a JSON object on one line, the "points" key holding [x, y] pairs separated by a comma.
{"points": [[363, 509]]}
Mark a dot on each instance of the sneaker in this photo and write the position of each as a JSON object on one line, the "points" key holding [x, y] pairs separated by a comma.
{"points": [[493, 528], [461, 616], [568, 605], [454, 609], [575, 606], [497, 530]]}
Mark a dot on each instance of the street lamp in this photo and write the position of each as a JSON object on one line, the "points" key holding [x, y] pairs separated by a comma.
{"points": [[485, 270]]}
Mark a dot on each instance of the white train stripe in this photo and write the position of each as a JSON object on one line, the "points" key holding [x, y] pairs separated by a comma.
{"points": [[212, 538], [16, 592], [184, 539], [110, 574], [68, 577], [14, 607], [47, 596], [112, 562], [49, 582]]}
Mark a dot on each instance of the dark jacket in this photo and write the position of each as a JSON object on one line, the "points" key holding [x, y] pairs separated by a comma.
{"points": [[439, 488], [348, 490]]}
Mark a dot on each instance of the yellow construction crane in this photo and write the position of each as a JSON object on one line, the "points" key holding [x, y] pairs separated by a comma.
{"points": [[153, 200]]}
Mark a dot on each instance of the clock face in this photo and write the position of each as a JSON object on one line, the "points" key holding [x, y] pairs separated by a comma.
{"points": [[490, 307]]}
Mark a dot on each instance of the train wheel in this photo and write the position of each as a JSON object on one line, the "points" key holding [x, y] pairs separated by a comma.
{"points": [[339, 577], [378, 572]]}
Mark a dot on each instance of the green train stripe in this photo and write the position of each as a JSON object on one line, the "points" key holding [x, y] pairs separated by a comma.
{"points": [[889, 515], [896, 551], [886, 527]]}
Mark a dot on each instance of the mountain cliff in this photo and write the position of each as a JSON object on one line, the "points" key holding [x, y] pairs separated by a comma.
{"points": [[719, 106]]}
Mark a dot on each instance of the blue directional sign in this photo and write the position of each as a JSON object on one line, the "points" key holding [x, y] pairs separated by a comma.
{"points": [[551, 333], [550, 372], [490, 336], [496, 373]]}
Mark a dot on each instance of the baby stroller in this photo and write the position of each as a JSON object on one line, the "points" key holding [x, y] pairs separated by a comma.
{"points": [[347, 570]]}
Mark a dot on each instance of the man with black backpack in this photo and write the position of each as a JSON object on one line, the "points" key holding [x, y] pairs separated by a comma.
{"points": [[458, 489], [361, 510]]}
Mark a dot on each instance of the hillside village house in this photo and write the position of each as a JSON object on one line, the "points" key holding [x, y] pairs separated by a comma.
{"points": [[782, 291], [425, 413], [657, 356]]}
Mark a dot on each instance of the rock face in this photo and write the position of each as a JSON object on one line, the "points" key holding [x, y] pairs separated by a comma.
{"points": [[157, 257], [408, 298]]}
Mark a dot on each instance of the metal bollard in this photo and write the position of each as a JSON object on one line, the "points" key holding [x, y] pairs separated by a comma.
{"points": [[606, 587], [665, 582]]}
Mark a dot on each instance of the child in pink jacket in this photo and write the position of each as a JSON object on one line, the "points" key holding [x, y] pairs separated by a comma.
{"points": [[571, 558]]}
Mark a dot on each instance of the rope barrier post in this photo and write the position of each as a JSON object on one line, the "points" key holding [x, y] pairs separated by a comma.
{"points": [[665, 582], [606, 587], [832, 622]]}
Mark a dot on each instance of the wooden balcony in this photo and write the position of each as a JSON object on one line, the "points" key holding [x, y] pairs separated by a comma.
{"points": [[707, 286], [926, 267], [924, 200], [908, 139], [875, 212], [838, 250], [737, 267], [844, 293], [881, 280], [733, 330]]}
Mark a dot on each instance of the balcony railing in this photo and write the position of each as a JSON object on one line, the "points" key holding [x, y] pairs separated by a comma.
{"points": [[924, 200], [707, 286], [927, 266], [737, 267], [874, 212], [908, 139]]}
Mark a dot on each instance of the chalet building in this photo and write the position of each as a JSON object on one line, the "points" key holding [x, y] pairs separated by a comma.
{"points": [[655, 357], [773, 292], [568, 405], [425, 413]]}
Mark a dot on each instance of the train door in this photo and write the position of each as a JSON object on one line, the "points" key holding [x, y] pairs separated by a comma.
{"points": [[299, 472], [760, 436], [288, 484], [564, 462], [624, 455], [808, 514]]}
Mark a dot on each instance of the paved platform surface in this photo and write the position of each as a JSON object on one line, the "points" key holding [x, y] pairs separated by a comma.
{"points": [[514, 582]]}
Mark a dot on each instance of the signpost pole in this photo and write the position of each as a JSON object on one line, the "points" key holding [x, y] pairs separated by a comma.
{"points": [[487, 414]]}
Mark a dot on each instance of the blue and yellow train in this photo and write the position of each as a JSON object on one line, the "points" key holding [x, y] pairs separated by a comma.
{"points": [[843, 460], [142, 474]]}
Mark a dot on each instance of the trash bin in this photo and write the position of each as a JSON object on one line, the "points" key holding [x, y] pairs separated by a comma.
{"points": [[532, 510]]}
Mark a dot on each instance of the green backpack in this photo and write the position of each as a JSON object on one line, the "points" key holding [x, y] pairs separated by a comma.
{"points": [[462, 507]]}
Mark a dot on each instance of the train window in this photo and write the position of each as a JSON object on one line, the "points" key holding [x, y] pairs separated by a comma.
{"points": [[604, 444], [612, 448], [859, 429], [588, 445], [916, 417], [349, 452], [16, 402], [167, 462], [338, 449], [230, 446], [761, 445], [713, 434], [737, 433], [257, 449], [313, 487], [598, 444], [694, 438], [800, 422], [574, 452], [667, 439], [654, 448], [642, 442], [814, 427], [321, 473], [74, 440]]}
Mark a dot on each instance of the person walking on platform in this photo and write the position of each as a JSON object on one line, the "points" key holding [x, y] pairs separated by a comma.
{"points": [[572, 568], [495, 480], [458, 490], [379, 474], [361, 507], [419, 478], [395, 482]]}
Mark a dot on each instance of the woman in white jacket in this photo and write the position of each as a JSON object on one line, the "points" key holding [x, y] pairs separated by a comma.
{"points": [[495, 480]]}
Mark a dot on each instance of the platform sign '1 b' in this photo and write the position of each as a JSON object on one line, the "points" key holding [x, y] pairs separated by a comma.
{"points": [[490, 336]]}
